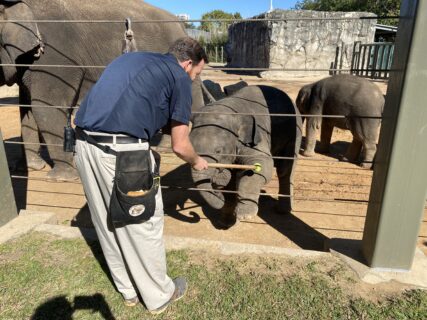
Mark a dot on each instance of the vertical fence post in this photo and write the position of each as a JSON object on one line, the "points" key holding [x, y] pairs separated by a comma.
{"points": [[8, 209], [216, 53], [355, 58], [399, 186], [374, 71]]}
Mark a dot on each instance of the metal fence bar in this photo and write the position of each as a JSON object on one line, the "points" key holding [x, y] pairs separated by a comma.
{"points": [[169, 150], [203, 20], [399, 185], [206, 69], [8, 209], [364, 47], [381, 61], [224, 113], [262, 194], [389, 54], [374, 63]]}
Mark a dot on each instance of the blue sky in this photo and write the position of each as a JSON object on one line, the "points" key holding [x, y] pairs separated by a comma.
{"points": [[195, 9]]}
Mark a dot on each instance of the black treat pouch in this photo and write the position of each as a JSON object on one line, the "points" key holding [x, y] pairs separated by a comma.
{"points": [[133, 173]]}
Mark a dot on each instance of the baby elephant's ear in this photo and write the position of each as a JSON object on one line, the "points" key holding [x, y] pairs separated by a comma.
{"points": [[233, 88], [250, 132], [303, 99]]}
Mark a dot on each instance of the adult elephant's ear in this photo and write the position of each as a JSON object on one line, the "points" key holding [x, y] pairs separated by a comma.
{"points": [[250, 132], [19, 37]]}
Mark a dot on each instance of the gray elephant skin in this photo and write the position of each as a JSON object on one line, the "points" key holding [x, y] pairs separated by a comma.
{"points": [[358, 99], [72, 43], [220, 136]]}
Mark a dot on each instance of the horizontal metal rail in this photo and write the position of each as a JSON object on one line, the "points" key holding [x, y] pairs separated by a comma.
{"points": [[35, 106], [206, 69], [278, 195], [203, 20], [169, 150], [205, 112], [295, 189]]}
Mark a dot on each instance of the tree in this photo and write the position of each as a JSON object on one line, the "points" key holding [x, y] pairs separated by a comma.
{"points": [[379, 7], [189, 25], [217, 26]]}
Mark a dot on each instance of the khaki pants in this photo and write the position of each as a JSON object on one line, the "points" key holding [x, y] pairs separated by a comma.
{"points": [[135, 253]]}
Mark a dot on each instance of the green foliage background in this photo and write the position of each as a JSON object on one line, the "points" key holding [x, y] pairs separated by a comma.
{"points": [[379, 7]]}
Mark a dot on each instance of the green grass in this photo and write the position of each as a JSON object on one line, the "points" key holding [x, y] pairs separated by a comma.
{"points": [[42, 277]]}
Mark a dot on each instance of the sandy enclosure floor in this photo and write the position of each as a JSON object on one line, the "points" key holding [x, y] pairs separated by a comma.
{"points": [[331, 197]]}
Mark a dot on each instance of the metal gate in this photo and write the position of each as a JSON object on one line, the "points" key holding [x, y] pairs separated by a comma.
{"points": [[372, 60]]}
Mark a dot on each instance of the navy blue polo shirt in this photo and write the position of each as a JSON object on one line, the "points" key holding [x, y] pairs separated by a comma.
{"points": [[137, 94]]}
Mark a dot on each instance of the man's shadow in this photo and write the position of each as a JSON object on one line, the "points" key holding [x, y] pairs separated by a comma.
{"points": [[60, 308], [289, 225]]}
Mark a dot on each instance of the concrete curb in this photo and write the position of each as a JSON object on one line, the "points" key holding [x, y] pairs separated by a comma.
{"points": [[349, 251], [24, 223], [231, 248], [181, 243]]}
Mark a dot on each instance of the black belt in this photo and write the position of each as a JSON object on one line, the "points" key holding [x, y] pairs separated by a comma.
{"points": [[107, 139]]}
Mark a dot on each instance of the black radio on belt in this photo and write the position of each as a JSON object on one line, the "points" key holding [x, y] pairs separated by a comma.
{"points": [[69, 135]]}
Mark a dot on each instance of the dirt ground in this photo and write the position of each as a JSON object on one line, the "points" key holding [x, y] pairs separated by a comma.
{"points": [[331, 197]]}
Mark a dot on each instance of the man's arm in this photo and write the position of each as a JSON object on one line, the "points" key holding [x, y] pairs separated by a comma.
{"points": [[183, 148]]}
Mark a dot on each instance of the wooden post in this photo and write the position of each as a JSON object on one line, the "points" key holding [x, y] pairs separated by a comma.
{"points": [[399, 185]]}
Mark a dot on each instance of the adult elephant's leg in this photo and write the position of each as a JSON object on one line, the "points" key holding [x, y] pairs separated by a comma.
{"points": [[52, 89], [51, 123], [249, 185], [29, 130], [30, 137], [325, 136], [312, 127]]}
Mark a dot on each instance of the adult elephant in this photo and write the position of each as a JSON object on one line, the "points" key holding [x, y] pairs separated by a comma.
{"points": [[221, 136], [358, 99], [68, 43]]}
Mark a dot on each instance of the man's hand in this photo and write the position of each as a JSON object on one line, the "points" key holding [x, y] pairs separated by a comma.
{"points": [[183, 148], [201, 164]]}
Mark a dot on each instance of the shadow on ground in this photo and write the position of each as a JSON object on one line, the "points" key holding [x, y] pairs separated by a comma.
{"points": [[289, 225], [17, 167], [60, 308], [337, 149]]}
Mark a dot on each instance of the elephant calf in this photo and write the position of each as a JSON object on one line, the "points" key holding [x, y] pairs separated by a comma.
{"points": [[360, 100], [251, 138]]}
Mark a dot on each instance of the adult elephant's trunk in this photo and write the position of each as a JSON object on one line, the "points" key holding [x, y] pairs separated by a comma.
{"points": [[203, 180], [312, 127]]}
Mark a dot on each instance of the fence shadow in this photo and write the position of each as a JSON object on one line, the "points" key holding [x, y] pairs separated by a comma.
{"points": [[289, 225], [17, 166]]}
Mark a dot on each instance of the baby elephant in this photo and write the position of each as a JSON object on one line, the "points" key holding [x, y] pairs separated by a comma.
{"points": [[239, 129], [358, 99]]}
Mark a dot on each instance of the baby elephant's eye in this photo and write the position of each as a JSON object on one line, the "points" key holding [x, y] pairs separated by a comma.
{"points": [[217, 151]]}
